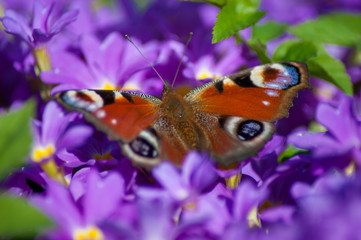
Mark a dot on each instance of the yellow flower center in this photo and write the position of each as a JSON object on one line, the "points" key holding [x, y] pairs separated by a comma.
{"points": [[191, 205], [203, 74], [109, 86], [350, 169], [42, 59], [253, 219], [130, 86], [104, 156], [41, 153], [89, 233], [233, 181]]}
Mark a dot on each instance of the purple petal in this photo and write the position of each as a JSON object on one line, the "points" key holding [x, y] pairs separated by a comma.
{"points": [[60, 206], [198, 171], [16, 24], [300, 189], [112, 49], [169, 177], [231, 62], [151, 193], [319, 143], [40, 16], [264, 166], [40, 37], [75, 136], [54, 122], [90, 47], [247, 197], [277, 214], [64, 87], [71, 160], [211, 212], [102, 196], [160, 209], [63, 21], [77, 185], [333, 119], [74, 73]]}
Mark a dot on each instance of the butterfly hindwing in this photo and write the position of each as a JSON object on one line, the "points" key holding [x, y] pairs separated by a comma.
{"points": [[232, 139]]}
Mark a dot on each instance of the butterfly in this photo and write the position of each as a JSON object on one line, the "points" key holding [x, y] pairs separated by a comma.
{"points": [[231, 117]]}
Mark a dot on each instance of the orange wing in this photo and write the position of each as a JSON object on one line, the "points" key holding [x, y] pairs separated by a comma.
{"points": [[263, 93], [122, 115]]}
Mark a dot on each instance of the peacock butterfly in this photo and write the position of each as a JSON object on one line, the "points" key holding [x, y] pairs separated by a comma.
{"points": [[231, 117]]}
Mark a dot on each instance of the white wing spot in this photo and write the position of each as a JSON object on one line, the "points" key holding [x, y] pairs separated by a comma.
{"points": [[118, 95], [227, 82], [100, 114], [266, 103], [114, 121], [272, 93], [279, 67], [257, 76], [72, 99]]}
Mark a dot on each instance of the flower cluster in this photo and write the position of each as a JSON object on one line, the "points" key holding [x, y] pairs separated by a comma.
{"points": [[304, 184]]}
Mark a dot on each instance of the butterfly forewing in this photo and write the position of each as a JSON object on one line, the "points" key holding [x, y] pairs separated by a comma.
{"points": [[122, 115], [263, 93]]}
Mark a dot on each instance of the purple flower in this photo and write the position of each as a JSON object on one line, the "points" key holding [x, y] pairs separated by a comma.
{"points": [[341, 139], [13, 84], [280, 11], [95, 17], [25, 181], [177, 19], [44, 25], [80, 209], [300, 114], [97, 149], [56, 133], [304, 10], [198, 175], [208, 61], [210, 211], [247, 201], [191, 190], [329, 209], [148, 210], [112, 64]]}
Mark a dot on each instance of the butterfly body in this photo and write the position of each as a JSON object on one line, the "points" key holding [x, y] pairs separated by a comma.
{"points": [[231, 117]]}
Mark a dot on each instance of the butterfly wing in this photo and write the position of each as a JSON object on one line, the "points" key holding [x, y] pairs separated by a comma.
{"points": [[263, 93], [243, 107], [113, 111]]}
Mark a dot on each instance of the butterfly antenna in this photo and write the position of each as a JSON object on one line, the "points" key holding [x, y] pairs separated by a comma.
{"points": [[183, 54], [166, 84]]}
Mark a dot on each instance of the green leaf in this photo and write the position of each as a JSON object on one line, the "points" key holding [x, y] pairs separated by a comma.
{"points": [[260, 50], [15, 137], [261, 34], [332, 70], [290, 152], [337, 28], [19, 219], [268, 31], [234, 16], [320, 64], [295, 51]]}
